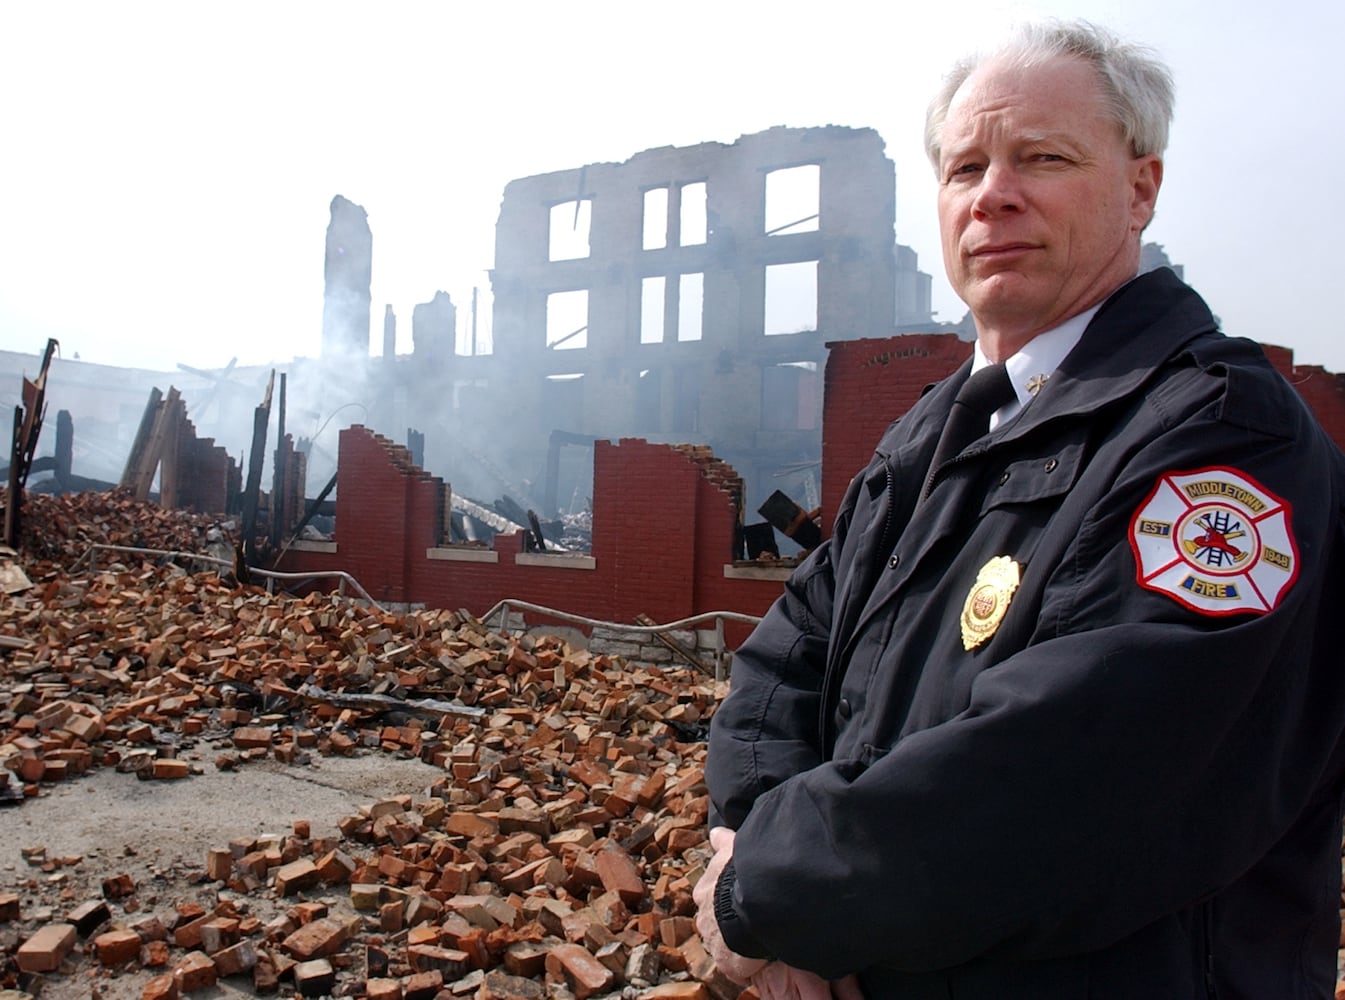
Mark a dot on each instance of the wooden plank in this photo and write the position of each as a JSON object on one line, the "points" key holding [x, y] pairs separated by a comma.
{"points": [[141, 442]]}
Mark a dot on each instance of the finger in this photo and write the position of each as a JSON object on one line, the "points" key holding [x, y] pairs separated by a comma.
{"points": [[847, 989], [808, 986], [721, 838], [771, 982], [704, 890]]}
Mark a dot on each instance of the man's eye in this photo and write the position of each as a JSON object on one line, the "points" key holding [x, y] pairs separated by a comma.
{"points": [[963, 169]]}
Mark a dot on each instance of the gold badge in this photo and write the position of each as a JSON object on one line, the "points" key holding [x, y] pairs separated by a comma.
{"points": [[987, 600]]}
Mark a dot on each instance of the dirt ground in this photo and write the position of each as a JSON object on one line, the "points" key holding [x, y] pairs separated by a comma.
{"points": [[158, 832]]}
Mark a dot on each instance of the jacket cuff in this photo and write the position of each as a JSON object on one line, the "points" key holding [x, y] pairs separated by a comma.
{"points": [[731, 927]]}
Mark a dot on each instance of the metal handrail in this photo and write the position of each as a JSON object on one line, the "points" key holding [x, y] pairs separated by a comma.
{"points": [[502, 608], [718, 617], [271, 576]]}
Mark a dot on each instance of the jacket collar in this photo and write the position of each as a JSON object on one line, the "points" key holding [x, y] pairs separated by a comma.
{"points": [[1145, 323]]}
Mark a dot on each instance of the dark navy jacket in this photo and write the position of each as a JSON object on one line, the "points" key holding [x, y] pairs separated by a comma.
{"points": [[1127, 791]]}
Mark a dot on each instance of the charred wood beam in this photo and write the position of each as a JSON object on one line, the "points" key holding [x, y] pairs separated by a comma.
{"points": [[278, 474], [14, 495], [315, 507], [136, 458], [252, 491], [27, 426], [65, 447], [790, 519]]}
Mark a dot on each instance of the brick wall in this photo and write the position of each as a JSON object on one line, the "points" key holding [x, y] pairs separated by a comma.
{"points": [[871, 382], [203, 472], [664, 516], [664, 519], [1323, 390], [386, 510]]}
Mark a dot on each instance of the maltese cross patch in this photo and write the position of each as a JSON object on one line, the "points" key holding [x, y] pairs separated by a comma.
{"points": [[1215, 541]]}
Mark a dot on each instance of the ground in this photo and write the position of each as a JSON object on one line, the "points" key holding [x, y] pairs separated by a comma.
{"points": [[158, 832]]}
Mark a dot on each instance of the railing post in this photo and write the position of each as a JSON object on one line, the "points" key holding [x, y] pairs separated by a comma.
{"points": [[719, 648]]}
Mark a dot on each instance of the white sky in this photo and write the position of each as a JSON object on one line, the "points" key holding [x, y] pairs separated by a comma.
{"points": [[167, 168]]}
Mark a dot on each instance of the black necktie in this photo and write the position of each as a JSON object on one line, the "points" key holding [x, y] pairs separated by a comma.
{"points": [[981, 395]]}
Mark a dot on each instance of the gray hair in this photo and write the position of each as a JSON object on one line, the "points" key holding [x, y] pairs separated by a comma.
{"points": [[1136, 85]]}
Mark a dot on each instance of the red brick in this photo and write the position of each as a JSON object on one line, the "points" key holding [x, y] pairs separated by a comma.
{"points": [[502, 986], [620, 875], [314, 978], [296, 875], [251, 737], [219, 864], [574, 966], [195, 971], [236, 959], [335, 867], [188, 934], [427, 957], [117, 947], [383, 989], [171, 768], [218, 933], [44, 951], [160, 988], [317, 939], [423, 985]]}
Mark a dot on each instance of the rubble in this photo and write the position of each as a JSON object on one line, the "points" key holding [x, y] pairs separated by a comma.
{"points": [[559, 846]]}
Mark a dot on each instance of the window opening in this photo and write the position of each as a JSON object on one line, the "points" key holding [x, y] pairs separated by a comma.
{"points": [[649, 401], [567, 320], [791, 298], [691, 217], [690, 307], [791, 397], [655, 218], [686, 402], [793, 200], [651, 309], [570, 228]]}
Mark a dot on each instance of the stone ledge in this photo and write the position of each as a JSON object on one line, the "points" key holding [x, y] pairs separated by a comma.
{"points": [[732, 571], [555, 560], [463, 555], [312, 546]]}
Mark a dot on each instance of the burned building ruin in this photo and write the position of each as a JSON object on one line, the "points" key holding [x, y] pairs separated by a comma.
{"points": [[685, 295], [347, 272]]}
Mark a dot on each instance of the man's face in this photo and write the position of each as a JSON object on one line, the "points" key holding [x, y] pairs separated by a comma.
{"points": [[1040, 200]]}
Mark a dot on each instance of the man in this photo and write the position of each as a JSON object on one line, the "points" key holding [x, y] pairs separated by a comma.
{"points": [[1057, 714]]}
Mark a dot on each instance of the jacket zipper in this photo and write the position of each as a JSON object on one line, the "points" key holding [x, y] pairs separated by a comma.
{"points": [[887, 542], [834, 673], [1211, 987]]}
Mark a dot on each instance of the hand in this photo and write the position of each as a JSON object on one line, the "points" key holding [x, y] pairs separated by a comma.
{"points": [[737, 967], [778, 981]]}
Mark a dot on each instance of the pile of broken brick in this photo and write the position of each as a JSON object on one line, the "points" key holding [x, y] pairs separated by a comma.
{"points": [[554, 856]]}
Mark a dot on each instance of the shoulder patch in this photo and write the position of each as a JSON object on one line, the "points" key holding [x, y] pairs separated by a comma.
{"points": [[1216, 541]]}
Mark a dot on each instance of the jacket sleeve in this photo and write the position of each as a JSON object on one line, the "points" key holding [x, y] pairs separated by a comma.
{"points": [[1130, 761], [766, 730]]}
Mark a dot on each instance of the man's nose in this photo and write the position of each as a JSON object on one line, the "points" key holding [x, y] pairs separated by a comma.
{"points": [[999, 191]]}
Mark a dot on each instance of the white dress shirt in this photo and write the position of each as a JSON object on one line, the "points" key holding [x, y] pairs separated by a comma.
{"points": [[1030, 369]]}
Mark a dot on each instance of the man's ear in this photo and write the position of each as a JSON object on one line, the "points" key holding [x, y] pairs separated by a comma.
{"points": [[1146, 177]]}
